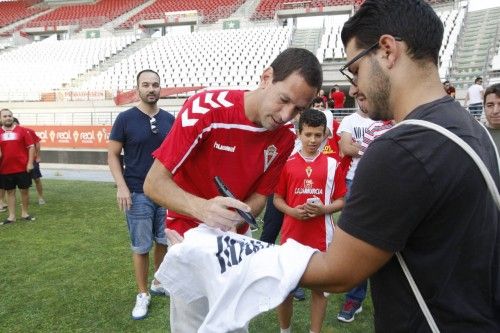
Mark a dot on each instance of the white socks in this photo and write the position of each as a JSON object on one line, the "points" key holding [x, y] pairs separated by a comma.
{"points": [[286, 330]]}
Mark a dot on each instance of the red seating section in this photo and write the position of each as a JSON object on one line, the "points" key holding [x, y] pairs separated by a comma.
{"points": [[267, 8], [87, 15], [211, 10], [12, 11]]}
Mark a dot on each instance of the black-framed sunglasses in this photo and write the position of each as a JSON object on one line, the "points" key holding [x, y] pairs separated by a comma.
{"points": [[353, 79], [154, 128]]}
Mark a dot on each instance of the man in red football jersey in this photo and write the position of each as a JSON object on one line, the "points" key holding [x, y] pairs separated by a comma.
{"points": [[245, 138], [18, 152]]}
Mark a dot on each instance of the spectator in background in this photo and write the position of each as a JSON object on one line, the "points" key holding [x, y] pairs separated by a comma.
{"points": [[492, 111], [138, 132], [308, 218], [35, 174], [248, 153], [474, 98], [351, 131], [338, 97], [450, 90], [324, 99], [18, 152]]}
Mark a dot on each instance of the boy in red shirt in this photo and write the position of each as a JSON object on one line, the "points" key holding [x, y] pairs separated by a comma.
{"points": [[310, 189]]}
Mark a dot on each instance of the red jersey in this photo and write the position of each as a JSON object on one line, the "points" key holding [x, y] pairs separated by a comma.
{"points": [[338, 99], [14, 145], [331, 148], [302, 179], [212, 137]]}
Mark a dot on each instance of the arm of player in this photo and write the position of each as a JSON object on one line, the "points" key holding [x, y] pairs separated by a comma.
{"points": [[346, 263], [297, 212], [215, 212], [317, 209], [348, 146], [37, 152], [122, 191], [31, 158]]}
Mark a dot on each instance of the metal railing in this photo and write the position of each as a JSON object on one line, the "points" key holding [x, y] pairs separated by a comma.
{"points": [[103, 118]]}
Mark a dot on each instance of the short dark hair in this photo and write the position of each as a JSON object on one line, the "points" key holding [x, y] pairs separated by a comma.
{"points": [[145, 71], [313, 118], [14, 119], [493, 89], [478, 79], [298, 60], [414, 21], [445, 82]]}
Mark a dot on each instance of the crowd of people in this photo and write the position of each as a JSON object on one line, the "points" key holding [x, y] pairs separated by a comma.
{"points": [[403, 199], [414, 206]]}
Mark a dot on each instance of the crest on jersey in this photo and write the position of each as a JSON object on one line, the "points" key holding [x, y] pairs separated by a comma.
{"points": [[270, 154], [309, 170]]}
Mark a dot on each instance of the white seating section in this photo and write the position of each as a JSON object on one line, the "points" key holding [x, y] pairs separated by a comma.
{"points": [[331, 46], [452, 20], [214, 58], [43, 66]]}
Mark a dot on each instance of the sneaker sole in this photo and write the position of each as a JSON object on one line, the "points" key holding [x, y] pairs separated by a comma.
{"points": [[342, 319], [139, 318]]}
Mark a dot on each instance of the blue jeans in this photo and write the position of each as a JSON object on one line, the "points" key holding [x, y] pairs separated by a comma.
{"points": [[357, 293], [146, 222], [476, 109]]}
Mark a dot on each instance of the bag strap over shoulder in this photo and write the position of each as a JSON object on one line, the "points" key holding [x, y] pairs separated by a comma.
{"points": [[491, 187]]}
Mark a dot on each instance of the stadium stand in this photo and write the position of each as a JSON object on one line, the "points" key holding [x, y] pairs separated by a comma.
{"points": [[85, 15], [212, 65], [210, 10], [453, 22], [267, 8], [331, 46], [50, 64], [13, 11], [477, 47]]}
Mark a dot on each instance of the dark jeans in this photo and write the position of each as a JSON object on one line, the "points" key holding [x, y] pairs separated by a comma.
{"points": [[273, 219]]}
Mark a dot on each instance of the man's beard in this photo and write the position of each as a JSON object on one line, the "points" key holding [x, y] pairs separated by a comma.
{"points": [[379, 94]]}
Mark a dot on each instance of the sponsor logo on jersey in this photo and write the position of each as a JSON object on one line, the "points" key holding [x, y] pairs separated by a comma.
{"points": [[230, 149], [308, 188], [270, 154]]}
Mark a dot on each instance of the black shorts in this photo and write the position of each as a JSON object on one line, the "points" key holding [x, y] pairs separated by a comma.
{"points": [[20, 180], [35, 173]]}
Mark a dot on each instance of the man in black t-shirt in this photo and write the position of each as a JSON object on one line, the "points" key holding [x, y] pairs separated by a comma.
{"points": [[415, 191]]}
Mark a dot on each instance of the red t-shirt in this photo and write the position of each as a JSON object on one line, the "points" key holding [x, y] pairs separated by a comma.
{"points": [[212, 137], [338, 99], [14, 145], [301, 180]]}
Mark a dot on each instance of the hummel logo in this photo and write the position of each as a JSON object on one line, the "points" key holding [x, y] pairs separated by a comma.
{"points": [[230, 149]]}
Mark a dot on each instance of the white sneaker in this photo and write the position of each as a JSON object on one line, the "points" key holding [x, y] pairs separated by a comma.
{"points": [[157, 289], [140, 310], [41, 202]]}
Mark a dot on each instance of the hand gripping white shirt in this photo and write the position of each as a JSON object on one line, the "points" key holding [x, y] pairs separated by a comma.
{"points": [[240, 276]]}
